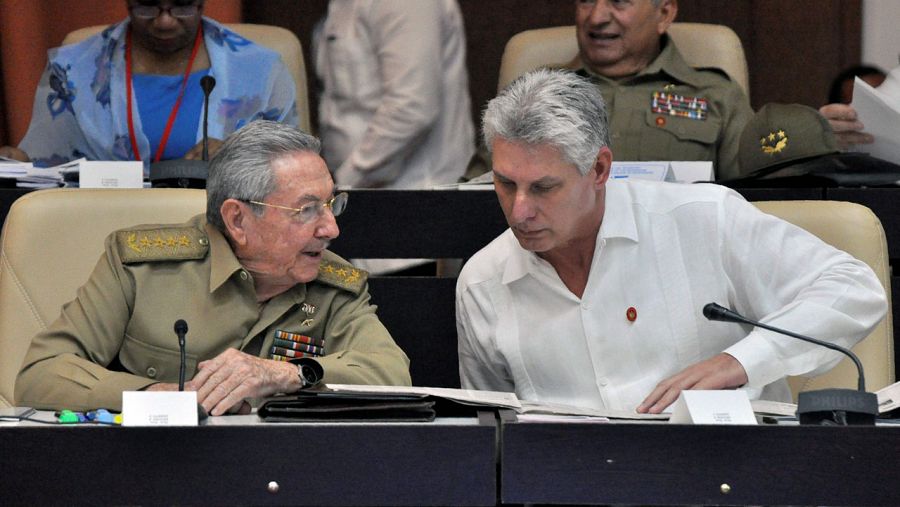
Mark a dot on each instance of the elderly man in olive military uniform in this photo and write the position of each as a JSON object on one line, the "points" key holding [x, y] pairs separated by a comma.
{"points": [[660, 108], [270, 309]]}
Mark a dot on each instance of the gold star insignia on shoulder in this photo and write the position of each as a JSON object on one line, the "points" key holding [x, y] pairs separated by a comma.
{"points": [[342, 275], [162, 244]]}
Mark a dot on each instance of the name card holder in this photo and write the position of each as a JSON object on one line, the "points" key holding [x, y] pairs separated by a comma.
{"points": [[159, 408], [712, 407]]}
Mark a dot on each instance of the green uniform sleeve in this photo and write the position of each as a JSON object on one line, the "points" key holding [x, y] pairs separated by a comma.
{"points": [[63, 366], [365, 352], [738, 114]]}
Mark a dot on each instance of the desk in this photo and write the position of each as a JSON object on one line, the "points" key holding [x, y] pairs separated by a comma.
{"points": [[662, 464], [232, 461]]}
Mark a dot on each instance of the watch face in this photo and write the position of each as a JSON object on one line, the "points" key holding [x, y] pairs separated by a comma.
{"points": [[309, 374]]}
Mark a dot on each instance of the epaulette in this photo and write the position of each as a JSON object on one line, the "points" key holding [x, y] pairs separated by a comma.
{"points": [[716, 70], [162, 244], [342, 275]]}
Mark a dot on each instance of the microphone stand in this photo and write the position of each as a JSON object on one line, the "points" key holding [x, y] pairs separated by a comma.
{"points": [[181, 172], [840, 407], [181, 329]]}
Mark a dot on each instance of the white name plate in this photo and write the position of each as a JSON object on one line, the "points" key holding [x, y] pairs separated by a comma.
{"points": [[712, 407], [103, 174], [159, 408]]}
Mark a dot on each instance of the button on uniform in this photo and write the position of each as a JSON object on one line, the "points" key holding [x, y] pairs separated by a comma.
{"points": [[151, 372], [244, 275]]}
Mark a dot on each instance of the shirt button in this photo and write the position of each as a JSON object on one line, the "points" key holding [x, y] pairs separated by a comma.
{"points": [[244, 275], [585, 306], [151, 372], [203, 241], [603, 381]]}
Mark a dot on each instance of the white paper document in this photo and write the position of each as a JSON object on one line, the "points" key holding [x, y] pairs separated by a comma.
{"points": [[881, 116]]}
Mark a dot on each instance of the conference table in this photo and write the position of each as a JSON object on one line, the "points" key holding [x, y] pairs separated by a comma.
{"points": [[485, 460], [239, 460]]}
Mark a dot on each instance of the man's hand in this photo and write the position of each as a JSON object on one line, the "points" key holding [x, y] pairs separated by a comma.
{"points": [[14, 153], [224, 382], [718, 372], [846, 125], [196, 153]]}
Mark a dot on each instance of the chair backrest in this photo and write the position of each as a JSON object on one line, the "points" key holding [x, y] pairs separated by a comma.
{"points": [[701, 44], [273, 37], [50, 243], [856, 230]]}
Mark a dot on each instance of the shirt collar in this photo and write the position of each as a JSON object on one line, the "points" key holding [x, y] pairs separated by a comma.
{"points": [[668, 62], [223, 262], [618, 222]]}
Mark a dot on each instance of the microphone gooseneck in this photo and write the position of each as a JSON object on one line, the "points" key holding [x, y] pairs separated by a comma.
{"points": [[207, 83], [824, 406], [714, 311], [181, 329]]}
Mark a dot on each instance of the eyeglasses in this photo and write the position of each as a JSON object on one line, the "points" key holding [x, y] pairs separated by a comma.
{"points": [[147, 12], [309, 212]]}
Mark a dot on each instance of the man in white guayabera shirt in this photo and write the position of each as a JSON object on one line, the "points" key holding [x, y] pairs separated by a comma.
{"points": [[593, 297]]}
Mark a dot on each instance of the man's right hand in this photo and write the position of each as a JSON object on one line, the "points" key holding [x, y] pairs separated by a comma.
{"points": [[14, 153], [846, 125], [240, 408]]}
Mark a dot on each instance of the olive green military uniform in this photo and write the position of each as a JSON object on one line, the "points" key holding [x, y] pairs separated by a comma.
{"points": [[151, 276], [676, 127]]}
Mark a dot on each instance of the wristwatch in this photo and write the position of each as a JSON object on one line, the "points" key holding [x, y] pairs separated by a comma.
{"points": [[309, 371]]}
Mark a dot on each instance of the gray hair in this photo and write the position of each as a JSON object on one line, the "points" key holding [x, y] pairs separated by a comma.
{"points": [[554, 107], [242, 168]]}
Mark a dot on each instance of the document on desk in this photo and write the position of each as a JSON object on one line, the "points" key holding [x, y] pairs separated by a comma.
{"points": [[881, 116], [466, 396], [888, 398], [530, 407]]}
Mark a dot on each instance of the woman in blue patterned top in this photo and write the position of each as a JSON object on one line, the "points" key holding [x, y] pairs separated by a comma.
{"points": [[132, 92]]}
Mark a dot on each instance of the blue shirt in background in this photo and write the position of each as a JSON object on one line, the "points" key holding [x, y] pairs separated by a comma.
{"points": [[156, 95]]}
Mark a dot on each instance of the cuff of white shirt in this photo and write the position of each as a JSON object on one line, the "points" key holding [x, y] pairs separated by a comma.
{"points": [[759, 359]]}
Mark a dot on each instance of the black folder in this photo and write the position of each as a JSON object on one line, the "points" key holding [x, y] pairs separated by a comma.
{"points": [[328, 406]]}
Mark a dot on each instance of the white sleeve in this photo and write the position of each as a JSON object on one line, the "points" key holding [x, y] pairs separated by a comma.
{"points": [[788, 278]]}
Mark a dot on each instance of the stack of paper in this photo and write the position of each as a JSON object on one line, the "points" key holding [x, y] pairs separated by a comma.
{"points": [[880, 114], [28, 176]]}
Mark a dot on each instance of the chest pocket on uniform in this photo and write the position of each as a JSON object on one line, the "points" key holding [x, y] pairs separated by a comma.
{"points": [[676, 138], [157, 363]]}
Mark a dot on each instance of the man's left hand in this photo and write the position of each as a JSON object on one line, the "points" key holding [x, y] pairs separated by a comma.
{"points": [[718, 372], [224, 382]]}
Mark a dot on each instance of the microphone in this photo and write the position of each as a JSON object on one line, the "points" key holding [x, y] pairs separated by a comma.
{"points": [[825, 406], [207, 83], [181, 173], [181, 329]]}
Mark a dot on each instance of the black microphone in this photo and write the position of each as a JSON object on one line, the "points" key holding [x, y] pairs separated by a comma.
{"points": [[181, 329], [207, 83], [182, 173], [825, 406]]}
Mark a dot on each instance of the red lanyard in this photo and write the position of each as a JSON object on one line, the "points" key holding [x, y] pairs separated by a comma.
{"points": [[173, 114]]}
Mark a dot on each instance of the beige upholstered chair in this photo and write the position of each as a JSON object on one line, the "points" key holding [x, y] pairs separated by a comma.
{"points": [[856, 230], [51, 241], [701, 44], [279, 39]]}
